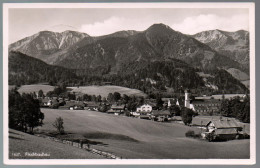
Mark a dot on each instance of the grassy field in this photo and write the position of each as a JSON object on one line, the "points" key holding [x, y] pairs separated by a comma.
{"points": [[20, 143], [105, 90], [136, 138], [35, 88]]}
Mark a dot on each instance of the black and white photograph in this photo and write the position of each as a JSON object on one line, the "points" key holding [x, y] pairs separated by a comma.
{"points": [[129, 83]]}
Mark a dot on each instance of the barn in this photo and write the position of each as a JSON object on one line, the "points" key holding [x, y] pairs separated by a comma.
{"points": [[223, 129]]}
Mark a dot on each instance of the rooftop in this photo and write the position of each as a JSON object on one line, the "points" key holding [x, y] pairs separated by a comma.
{"points": [[225, 123]]}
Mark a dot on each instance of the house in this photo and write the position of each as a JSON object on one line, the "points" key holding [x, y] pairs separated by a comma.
{"points": [[160, 115], [47, 102], [143, 112], [44, 102], [79, 105], [144, 108], [73, 105], [223, 129], [170, 101], [151, 102], [116, 109], [90, 105]]}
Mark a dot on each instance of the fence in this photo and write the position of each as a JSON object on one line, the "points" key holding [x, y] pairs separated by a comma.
{"points": [[82, 146]]}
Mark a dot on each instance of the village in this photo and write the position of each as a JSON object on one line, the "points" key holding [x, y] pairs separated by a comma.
{"points": [[203, 113]]}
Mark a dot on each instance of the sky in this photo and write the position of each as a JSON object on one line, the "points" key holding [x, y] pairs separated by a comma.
{"points": [[24, 22]]}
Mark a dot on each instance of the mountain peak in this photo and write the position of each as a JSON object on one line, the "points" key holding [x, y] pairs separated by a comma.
{"points": [[160, 29], [45, 32], [160, 26]]}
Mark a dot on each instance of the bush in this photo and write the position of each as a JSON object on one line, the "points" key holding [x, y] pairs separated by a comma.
{"points": [[246, 136], [55, 106], [190, 133], [211, 137], [187, 115], [58, 124]]}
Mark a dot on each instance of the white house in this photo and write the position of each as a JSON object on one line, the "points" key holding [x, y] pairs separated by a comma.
{"points": [[143, 111], [144, 108]]}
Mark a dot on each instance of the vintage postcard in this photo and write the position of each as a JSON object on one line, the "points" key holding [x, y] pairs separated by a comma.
{"points": [[129, 83]]}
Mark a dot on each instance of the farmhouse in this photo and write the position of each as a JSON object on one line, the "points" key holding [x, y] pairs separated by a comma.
{"points": [[116, 109], [73, 105], [223, 129], [44, 102], [160, 115], [90, 105], [200, 122], [170, 101], [151, 102]]}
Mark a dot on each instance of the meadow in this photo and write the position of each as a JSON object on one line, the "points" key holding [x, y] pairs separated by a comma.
{"points": [[105, 90], [140, 139], [35, 88]]}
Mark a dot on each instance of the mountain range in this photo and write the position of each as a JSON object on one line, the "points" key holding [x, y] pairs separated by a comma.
{"points": [[234, 45], [204, 52]]}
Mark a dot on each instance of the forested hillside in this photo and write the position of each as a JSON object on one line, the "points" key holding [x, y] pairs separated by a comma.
{"points": [[27, 70]]}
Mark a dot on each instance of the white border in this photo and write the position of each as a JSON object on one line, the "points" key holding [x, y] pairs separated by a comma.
{"points": [[252, 160]]}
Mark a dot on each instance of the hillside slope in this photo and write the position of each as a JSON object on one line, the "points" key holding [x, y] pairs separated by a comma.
{"points": [[155, 140], [27, 70], [20, 142]]}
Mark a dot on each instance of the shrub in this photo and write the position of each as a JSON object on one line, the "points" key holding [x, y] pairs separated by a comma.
{"points": [[55, 106], [58, 124], [190, 133], [246, 136], [210, 137]]}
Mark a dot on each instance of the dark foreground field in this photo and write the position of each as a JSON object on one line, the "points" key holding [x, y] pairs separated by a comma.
{"points": [[135, 138], [24, 146]]}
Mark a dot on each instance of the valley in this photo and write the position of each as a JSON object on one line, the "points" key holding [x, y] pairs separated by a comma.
{"points": [[97, 87], [151, 139]]}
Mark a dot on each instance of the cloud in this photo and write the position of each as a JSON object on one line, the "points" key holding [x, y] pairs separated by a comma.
{"points": [[190, 25], [112, 25], [195, 24]]}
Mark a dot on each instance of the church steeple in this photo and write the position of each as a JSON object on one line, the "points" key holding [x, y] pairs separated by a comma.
{"points": [[187, 99]]}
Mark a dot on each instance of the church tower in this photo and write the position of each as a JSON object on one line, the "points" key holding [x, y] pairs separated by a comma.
{"points": [[187, 99]]}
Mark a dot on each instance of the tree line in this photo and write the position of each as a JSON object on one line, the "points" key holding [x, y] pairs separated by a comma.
{"points": [[149, 77], [24, 111], [237, 108]]}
